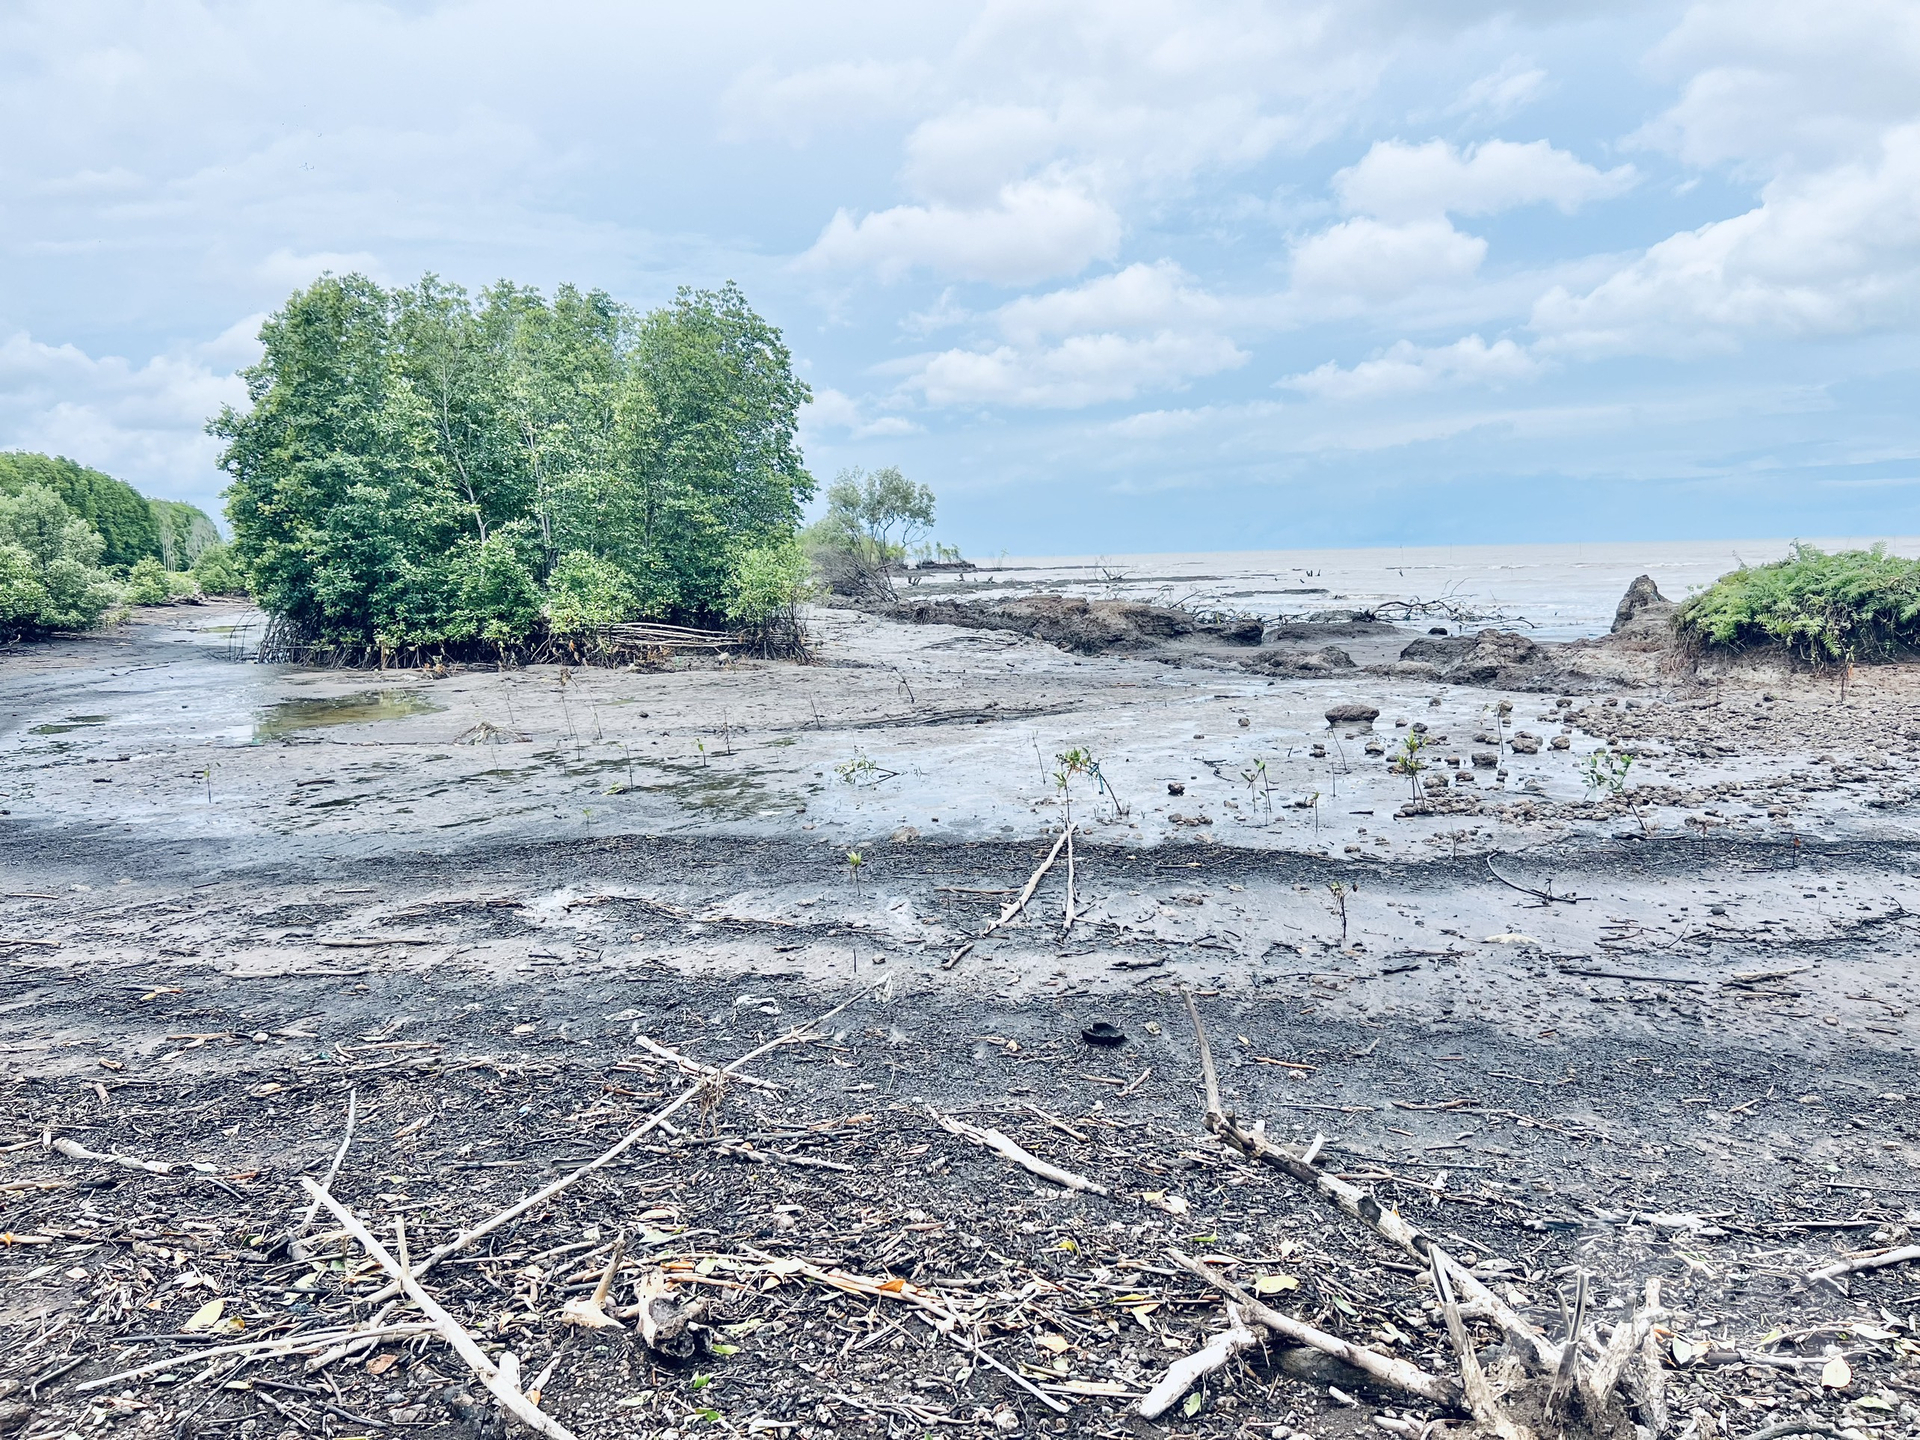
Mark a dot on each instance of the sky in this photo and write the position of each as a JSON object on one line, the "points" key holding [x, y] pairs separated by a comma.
{"points": [[1116, 276]]}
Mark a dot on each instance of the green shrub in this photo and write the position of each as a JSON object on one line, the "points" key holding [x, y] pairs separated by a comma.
{"points": [[1852, 604], [766, 581], [147, 583], [587, 593], [49, 565], [216, 573]]}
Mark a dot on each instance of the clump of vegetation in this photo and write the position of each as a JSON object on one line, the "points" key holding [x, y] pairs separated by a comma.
{"points": [[151, 583], [1848, 605], [216, 573], [421, 470], [873, 521], [50, 575]]}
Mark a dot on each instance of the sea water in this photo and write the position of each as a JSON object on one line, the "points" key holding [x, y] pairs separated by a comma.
{"points": [[1555, 592]]}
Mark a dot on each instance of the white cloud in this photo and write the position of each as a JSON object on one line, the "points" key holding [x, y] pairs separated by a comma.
{"points": [[795, 107], [1034, 230], [1369, 260], [1781, 84], [1140, 297], [140, 423], [1398, 181], [1829, 253], [285, 270], [834, 410], [1081, 370], [1495, 96], [1407, 368]]}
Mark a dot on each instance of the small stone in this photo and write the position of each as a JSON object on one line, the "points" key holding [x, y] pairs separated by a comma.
{"points": [[1560, 742], [1352, 713]]}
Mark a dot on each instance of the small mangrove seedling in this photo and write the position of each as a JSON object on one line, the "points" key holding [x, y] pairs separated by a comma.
{"points": [[1408, 762], [862, 771], [1259, 788], [854, 861], [1339, 892], [1606, 773], [701, 747], [1077, 761]]}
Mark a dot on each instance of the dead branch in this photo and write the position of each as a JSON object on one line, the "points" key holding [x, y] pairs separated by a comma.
{"points": [[1019, 902], [278, 1345], [306, 1220], [688, 1065], [1485, 1405], [1535, 1350], [1216, 1354], [1545, 897], [620, 1147], [1866, 1262], [1001, 1145], [1395, 1374], [499, 1379], [74, 1150]]}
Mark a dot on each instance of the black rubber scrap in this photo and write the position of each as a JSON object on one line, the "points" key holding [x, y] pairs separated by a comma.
{"points": [[1101, 1033]]}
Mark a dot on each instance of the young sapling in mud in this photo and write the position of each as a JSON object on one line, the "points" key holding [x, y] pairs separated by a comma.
{"points": [[1606, 772], [1339, 892], [1259, 788], [1409, 763]]}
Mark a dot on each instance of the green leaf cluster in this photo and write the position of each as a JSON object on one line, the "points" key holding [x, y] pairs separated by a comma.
{"points": [[872, 519], [1850, 604], [50, 575], [423, 467]]}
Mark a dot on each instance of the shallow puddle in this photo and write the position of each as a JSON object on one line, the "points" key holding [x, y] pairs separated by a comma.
{"points": [[72, 722], [289, 717]]}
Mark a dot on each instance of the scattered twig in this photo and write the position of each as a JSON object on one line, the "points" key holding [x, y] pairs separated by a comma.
{"points": [[74, 1150], [1001, 1145], [306, 1220], [498, 1378], [1216, 1354], [1866, 1262]]}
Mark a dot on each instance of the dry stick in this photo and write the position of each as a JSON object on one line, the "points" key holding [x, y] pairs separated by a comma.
{"points": [[495, 1377], [353, 1110], [1563, 1374], [1627, 1336], [620, 1147], [286, 1344], [74, 1150], [1481, 1400], [1216, 1354], [1001, 1145], [694, 1067], [1064, 929], [1535, 1350], [1869, 1262], [1397, 1374], [1012, 908]]}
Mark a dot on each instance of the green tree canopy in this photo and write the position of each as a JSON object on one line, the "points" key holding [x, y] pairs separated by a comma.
{"points": [[422, 467], [132, 527], [49, 565]]}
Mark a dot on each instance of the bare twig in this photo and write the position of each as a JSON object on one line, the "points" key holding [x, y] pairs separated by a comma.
{"points": [[620, 1147], [1535, 1350], [1001, 1145], [1216, 1354], [306, 1220], [1866, 1262], [74, 1150], [279, 1344], [1396, 1374], [499, 1379]]}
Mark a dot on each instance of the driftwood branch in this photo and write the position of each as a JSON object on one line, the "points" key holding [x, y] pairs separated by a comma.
{"points": [[277, 1345], [74, 1150], [1485, 1405], [1395, 1374], [499, 1379], [1534, 1349], [1216, 1354], [339, 1156], [1866, 1262], [1001, 1145], [621, 1146]]}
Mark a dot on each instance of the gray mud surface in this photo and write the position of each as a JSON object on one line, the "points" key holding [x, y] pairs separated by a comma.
{"points": [[234, 894]]}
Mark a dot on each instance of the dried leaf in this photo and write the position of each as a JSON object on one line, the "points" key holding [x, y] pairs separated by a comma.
{"points": [[1274, 1284], [1056, 1343], [1836, 1374], [380, 1364], [208, 1315]]}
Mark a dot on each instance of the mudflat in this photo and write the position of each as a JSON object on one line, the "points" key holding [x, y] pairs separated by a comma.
{"points": [[1652, 1026]]}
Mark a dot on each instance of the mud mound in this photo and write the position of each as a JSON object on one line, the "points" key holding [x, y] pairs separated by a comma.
{"points": [[1298, 664], [1084, 627]]}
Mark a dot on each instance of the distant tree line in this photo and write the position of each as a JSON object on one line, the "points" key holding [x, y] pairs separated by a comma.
{"points": [[423, 470], [75, 542]]}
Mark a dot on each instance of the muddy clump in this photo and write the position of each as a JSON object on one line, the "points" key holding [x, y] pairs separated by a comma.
{"points": [[1083, 627], [1296, 664]]}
